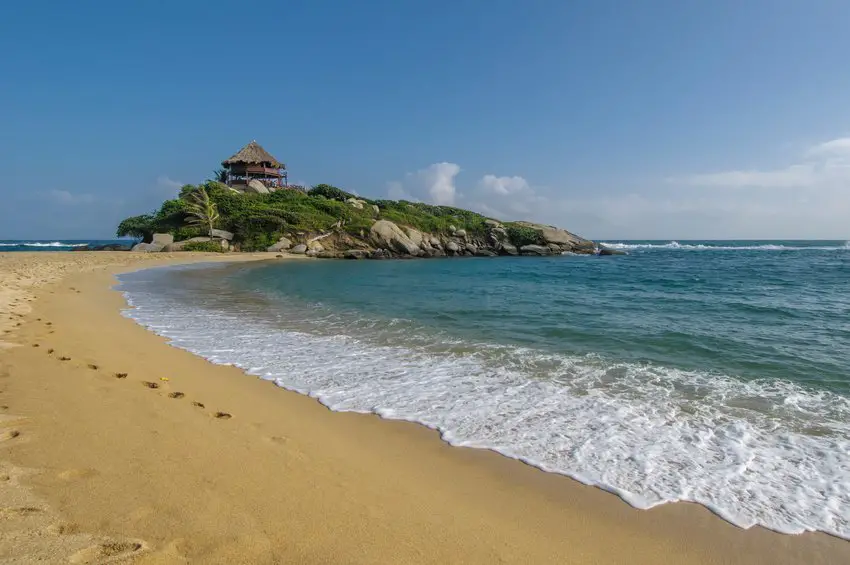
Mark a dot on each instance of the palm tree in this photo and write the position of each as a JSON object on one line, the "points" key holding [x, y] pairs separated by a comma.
{"points": [[220, 175], [202, 211]]}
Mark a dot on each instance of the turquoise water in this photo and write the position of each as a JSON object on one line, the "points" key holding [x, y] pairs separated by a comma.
{"points": [[715, 372]]}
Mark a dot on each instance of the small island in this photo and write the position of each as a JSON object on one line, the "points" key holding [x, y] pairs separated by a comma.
{"points": [[250, 206]]}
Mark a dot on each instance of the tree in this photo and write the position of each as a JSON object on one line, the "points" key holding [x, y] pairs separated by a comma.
{"points": [[137, 227], [202, 211], [220, 175]]}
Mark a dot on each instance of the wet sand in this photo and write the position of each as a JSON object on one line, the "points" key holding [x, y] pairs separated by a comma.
{"points": [[115, 447]]}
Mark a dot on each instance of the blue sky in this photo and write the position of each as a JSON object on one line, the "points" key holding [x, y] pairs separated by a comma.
{"points": [[615, 119]]}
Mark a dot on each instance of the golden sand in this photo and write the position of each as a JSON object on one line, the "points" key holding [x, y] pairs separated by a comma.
{"points": [[115, 447]]}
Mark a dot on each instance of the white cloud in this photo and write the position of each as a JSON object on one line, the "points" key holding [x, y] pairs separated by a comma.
{"points": [[821, 166], [504, 185], [65, 197], [434, 184], [167, 187]]}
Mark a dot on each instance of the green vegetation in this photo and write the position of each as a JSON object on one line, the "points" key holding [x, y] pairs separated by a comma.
{"points": [[205, 246], [259, 220], [520, 235], [202, 211]]}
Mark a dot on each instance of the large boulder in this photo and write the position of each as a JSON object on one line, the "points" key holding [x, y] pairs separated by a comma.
{"points": [[608, 251], [471, 248], [315, 246], [356, 254], [222, 234], [508, 249], [388, 235], [147, 248], [355, 203], [551, 234], [282, 243], [299, 249], [256, 186], [162, 239], [416, 237], [452, 247], [535, 250], [376, 210], [460, 233]]}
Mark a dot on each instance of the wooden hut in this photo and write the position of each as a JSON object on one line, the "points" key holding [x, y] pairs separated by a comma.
{"points": [[252, 162]]}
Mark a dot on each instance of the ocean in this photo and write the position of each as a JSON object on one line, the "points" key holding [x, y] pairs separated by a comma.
{"points": [[702, 371], [57, 245]]}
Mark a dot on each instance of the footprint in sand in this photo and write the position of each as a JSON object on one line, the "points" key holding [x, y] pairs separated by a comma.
{"points": [[198, 404], [222, 416], [9, 434], [106, 551], [36, 345], [19, 511], [76, 474], [93, 367], [120, 375], [176, 395], [63, 529], [64, 358], [149, 384], [49, 351]]}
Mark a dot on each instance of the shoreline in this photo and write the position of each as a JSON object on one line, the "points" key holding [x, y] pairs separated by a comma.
{"points": [[284, 479]]}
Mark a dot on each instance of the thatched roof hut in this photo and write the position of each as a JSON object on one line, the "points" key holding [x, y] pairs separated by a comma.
{"points": [[252, 162], [253, 154]]}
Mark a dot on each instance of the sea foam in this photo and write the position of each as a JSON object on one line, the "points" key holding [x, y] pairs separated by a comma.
{"points": [[764, 452]]}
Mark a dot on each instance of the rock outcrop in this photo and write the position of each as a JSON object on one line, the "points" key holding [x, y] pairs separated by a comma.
{"points": [[388, 235], [282, 244], [299, 249], [256, 186], [162, 239], [147, 248]]}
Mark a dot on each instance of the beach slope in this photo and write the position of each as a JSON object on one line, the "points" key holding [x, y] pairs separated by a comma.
{"points": [[117, 448]]}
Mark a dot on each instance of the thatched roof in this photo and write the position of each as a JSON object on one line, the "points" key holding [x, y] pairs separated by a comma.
{"points": [[253, 154]]}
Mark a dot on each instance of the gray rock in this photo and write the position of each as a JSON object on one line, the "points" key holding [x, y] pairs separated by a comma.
{"points": [[388, 235], [379, 254], [222, 234], [492, 224], [147, 248], [299, 249], [452, 228], [355, 254], [312, 252], [508, 249], [179, 245], [282, 243], [452, 247], [555, 248], [315, 246], [470, 248], [355, 203], [535, 250], [162, 239], [607, 251], [256, 186], [460, 233], [376, 209], [485, 253], [435, 241], [415, 236]]}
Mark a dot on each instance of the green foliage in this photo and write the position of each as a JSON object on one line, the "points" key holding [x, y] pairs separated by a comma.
{"points": [[138, 227], [522, 235], [330, 192], [258, 220], [201, 210], [204, 246]]}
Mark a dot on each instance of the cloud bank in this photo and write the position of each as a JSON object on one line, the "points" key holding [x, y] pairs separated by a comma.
{"points": [[808, 198]]}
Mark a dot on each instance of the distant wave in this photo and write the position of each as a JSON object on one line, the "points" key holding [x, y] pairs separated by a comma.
{"points": [[712, 247], [43, 244]]}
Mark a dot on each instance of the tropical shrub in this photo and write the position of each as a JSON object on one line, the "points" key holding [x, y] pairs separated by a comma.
{"points": [[204, 246], [523, 235]]}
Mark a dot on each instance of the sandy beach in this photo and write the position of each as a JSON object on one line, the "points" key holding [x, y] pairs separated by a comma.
{"points": [[116, 448]]}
